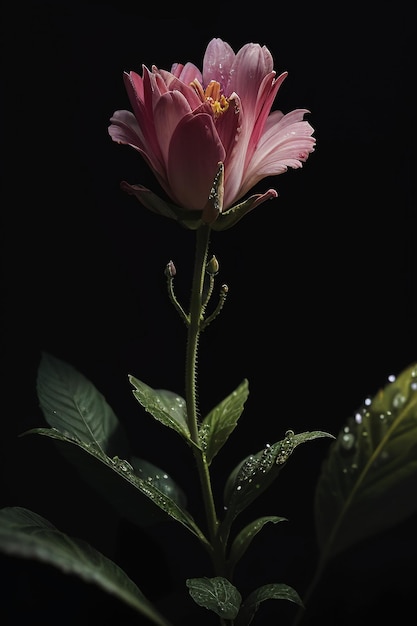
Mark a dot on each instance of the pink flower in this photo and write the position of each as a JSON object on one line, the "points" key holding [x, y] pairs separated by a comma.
{"points": [[209, 136]]}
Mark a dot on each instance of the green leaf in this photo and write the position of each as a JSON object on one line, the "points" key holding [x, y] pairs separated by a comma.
{"points": [[257, 472], [116, 478], [221, 421], [266, 592], [79, 414], [245, 538], [369, 478], [231, 216], [165, 406], [189, 219], [216, 594], [28, 535], [72, 405], [150, 473]]}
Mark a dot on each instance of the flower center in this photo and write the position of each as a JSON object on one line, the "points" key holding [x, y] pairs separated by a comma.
{"points": [[218, 102]]}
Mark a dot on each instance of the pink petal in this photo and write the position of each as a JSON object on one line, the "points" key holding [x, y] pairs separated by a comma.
{"points": [[126, 130], [250, 129], [286, 142], [134, 87], [175, 84], [169, 111], [194, 154], [217, 63], [266, 96], [228, 125], [133, 79], [187, 74], [251, 65], [143, 112]]}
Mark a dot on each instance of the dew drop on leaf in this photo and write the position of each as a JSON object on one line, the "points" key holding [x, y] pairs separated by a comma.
{"points": [[347, 440], [399, 400]]}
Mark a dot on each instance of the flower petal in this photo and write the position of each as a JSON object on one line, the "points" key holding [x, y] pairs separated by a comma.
{"points": [[185, 73], [194, 154], [169, 110], [266, 96], [286, 142], [217, 64], [125, 129], [176, 84], [251, 65], [138, 93]]}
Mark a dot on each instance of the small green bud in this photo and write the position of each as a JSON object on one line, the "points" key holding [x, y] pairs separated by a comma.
{"points": [[212, 266]]}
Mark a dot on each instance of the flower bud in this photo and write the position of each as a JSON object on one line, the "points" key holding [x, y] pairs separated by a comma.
{"points": [[212, 266], [170, 269]]}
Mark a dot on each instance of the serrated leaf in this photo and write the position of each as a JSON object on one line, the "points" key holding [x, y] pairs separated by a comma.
{"points": [[257, 472], [277, 591], [216, 594], [222, 420], [80, 415], [245, 537], [71, 404], [165, 406], [26, 534], [117, 479], [369, 478]]}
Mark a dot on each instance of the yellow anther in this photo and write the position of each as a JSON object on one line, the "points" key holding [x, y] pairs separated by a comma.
{"points": [[212, 91], [218, 102]]}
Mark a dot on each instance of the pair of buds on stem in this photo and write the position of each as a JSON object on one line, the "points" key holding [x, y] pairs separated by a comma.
{"points": [[212, 269]]}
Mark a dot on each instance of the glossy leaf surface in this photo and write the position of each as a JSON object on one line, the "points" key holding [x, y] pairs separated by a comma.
{"points": [[368, 481], [135, 493], [278, 591], [245, 537], [165, 406], [26, 534], [72, 404], [257, 472], [222, 420], [79, 415], [216, 594]]}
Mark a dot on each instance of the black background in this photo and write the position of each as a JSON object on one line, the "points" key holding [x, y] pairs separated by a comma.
{"points": [[322, 287]]}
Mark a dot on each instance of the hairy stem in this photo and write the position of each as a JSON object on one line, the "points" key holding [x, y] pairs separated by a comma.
{"points": [[197, 306]]}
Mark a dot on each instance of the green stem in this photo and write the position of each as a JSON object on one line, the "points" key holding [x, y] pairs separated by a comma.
{"points": [[195, 321]]}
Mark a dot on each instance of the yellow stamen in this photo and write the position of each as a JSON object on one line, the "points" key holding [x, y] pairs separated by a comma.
{"points": [[218, 102]]}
